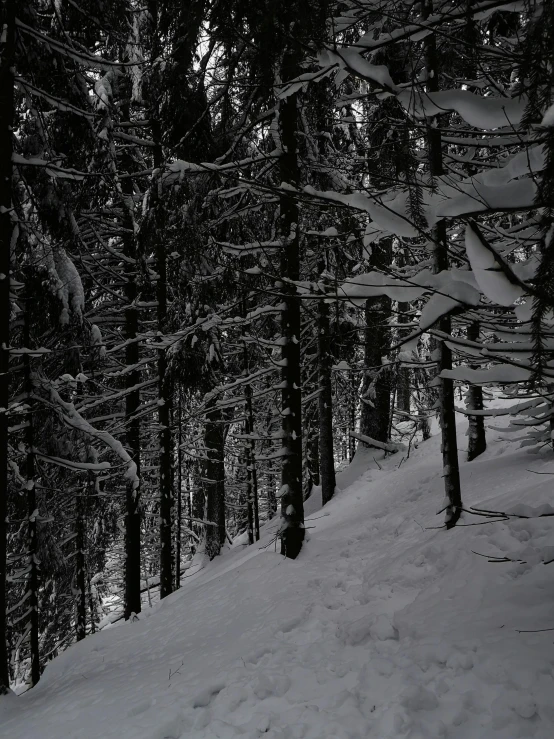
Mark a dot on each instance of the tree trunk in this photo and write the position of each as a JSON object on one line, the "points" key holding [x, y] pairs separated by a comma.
{"points": [[132, 404], [376, 386], [248, 479], [403, 390], [32, 512], [271, 497], [292, 503], [313, 454], [447, 413], [252, 473], [352, 417], [325, 399], [214, 480], [32, 582], [403, 393], [250, 449], [7, 51], [164, 390], [91, 605], [164, 413], [476, 439], [80, 575], [178, 533]]}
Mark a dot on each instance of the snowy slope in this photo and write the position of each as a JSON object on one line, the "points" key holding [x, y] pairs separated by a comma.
{"points": [[382, 629]]}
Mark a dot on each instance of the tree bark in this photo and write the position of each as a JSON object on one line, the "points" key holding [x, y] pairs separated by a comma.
{"points": [[91, 605], [326, 448], [352, 418], [376, 386], [477, 440], [214, 480], [250, 449], [7, 51], [164, 391], [32, 512], [164, 413], [252, 473], [80, 575], [313, 454], [271, 497], [403, 390], [132, 404], [292, 503], [178, 533], [451, 472]]}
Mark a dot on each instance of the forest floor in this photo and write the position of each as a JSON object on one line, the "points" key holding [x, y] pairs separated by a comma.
{"points": [[383, 628]]}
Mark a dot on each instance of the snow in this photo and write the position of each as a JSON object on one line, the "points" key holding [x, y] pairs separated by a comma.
{"points": [[480, 112], [390, 219], [502, 373], [491, 280], [352, 60], [383, 628], [511, 186], [452, 288], [103, 90], [548, 118]]}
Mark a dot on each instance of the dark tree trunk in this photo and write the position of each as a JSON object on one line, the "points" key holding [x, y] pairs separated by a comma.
{"points": [[178, 533], [451, 472], [214, 480], [7, 51], [32, 582], [476, 438], [91, 606], [271, 480], [80, 574], [164, 389], [376, 387], [164, 418], [271, 497], [326, 448], [250, 449], [251, 471], [313, 455], [132, 404], [292, 503], [249, 506], [403, 390], [32, 512], [403, 393], [352, 418]]}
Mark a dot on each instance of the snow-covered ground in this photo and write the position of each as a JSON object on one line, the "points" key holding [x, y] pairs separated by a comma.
{"points": [[384, 628]]}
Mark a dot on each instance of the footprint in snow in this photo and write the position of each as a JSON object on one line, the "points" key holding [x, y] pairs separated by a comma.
{"points": [[255, 657], [271, 685]]}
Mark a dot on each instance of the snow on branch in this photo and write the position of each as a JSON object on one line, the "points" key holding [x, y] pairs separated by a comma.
{"points": [[73, 418], [494, 277], [51, 169], [59, 103], [70, 464], [479, 112], [175, 171], [391, 448]]}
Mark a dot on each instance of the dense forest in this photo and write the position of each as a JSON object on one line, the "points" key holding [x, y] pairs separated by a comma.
{"points": [[238, 241]]}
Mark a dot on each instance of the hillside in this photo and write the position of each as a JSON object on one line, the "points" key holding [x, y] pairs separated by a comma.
{"points": [[383, 628]]}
